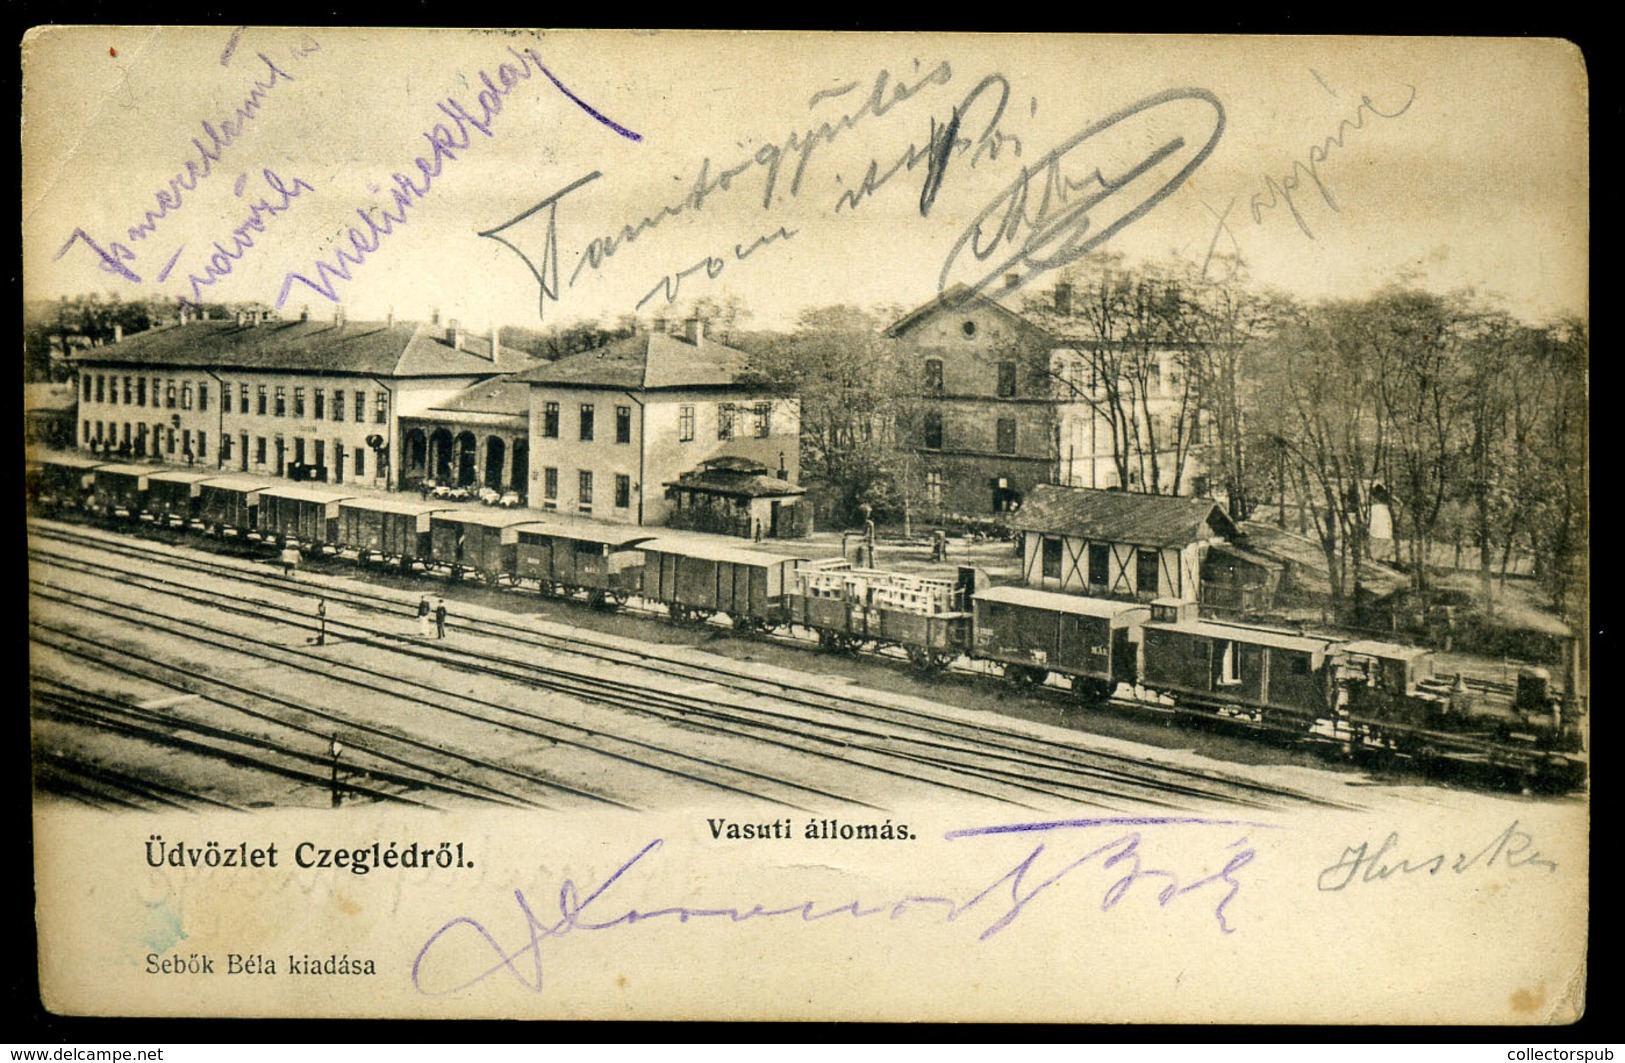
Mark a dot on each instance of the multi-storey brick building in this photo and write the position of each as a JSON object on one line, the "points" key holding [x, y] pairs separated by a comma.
{"points": [[318, 400], [1011, 402], [609, 429]]}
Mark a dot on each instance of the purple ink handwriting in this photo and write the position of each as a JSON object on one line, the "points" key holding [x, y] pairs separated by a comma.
{"points": [[113, 256], [446, 142], [464, 952]]}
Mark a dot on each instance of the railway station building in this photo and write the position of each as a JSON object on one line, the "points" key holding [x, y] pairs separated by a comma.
{"points": [[476, 438], [1119, 544], [611, 428], [302, 399], [1017, 394]]}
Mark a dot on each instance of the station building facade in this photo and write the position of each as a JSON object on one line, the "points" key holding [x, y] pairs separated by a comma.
{"points": [[610, 429], [302, 399]]}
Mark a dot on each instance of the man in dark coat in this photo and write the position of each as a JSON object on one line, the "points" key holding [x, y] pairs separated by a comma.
{"points": [[440, 618]]}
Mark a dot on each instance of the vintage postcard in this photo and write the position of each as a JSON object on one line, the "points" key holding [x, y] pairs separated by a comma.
{"points": [[656, 525]]}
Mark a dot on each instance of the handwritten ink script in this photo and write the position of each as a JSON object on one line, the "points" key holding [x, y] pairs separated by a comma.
{"points": [[1362, 865], [1122, 868], [1044, 219], [445, 143], [1304, 172]]}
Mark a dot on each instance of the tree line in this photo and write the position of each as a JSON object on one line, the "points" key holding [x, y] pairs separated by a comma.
{"points": [[1470, 426]]}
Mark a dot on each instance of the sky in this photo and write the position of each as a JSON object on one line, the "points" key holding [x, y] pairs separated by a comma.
{"points": [[521, 178]]}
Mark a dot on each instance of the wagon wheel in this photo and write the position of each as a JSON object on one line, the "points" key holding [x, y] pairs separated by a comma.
{"points": [[1093, 690], [595, 599], [926, 660], [679, 613], [828, 641], [1025, 675], [618, 597]]}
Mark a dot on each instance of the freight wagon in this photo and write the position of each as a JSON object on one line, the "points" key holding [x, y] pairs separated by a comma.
{"points": [[392, 530]]}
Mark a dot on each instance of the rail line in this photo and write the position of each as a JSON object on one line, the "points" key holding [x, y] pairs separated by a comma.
{"points": [[688, 709], [997, 754], [75, 705]]}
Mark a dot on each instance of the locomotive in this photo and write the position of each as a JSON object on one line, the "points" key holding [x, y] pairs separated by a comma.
{"points": [[1367, 696]]}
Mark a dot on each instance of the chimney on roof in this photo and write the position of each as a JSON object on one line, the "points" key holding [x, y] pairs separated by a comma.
{"points": [[304, 312], [1063, 297], [1011, 280], [118, 333], [659, 325], [338, 316], [694, 330], [496, 342], [434, 316], [390, 320], [454, 334], [241, 318]]}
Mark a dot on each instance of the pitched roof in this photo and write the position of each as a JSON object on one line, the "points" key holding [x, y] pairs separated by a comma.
{"points": [[1122, 516], [501, 395], [403, 349], [955, 297], [645, 361], [736, 482]]}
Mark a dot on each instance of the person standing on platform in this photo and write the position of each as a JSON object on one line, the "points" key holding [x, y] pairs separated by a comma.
{"points": [[440, 618], [321, 621], [423, 616]]}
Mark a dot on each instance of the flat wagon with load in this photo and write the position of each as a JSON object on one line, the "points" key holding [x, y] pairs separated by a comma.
{"points": [[849, 608]]}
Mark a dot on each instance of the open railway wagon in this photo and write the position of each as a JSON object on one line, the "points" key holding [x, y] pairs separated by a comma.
{"points": [[121, 490], [566, 557], [306, 518], [697, 577], [392, 530], [174, 496], [478, 542], [1263, 675], [229, 505], [1093, 641], [848, 608], [66, 480], [1388, 698]]}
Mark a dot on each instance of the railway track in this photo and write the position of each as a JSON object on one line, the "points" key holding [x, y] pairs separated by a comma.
{"points": [[853, 725]]}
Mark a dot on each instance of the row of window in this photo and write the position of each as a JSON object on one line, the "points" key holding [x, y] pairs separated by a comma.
{"points": [[172, 395], [106, 388], [1005, 432], [1147, 564], [584, 490], [268, 401], [136, 439], [139, 440], [728, 417]]}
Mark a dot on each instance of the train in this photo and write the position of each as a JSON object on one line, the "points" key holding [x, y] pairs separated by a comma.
{"points": [[1368, 697]]}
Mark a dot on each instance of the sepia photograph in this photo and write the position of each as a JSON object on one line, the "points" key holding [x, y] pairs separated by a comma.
{"points": [[807, 526]]}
